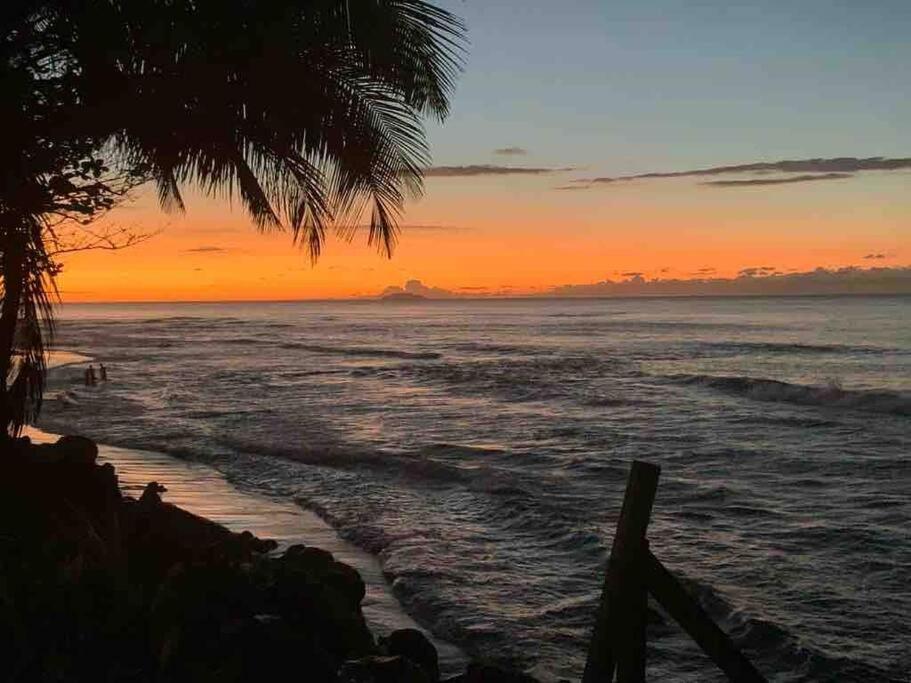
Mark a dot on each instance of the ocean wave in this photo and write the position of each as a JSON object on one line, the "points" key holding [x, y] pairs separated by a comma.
{"points": [[622, 324], [613, 402], [787, 421], [490, 347], [795, 348], [530, 378], [593, 314], [361, 351], [774, 391], [246, 341]]}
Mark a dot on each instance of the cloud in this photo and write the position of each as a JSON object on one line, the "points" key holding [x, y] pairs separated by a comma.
{"points": [[876, 257], [418, 288], [762, 280], [808, 178], [410, 227], [206, 250], [487, 170], [757, 271], [511, 151], [432, 228], [810, 169]]}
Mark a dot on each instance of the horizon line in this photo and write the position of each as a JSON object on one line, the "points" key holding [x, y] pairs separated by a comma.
{"points": [[517, 297]]}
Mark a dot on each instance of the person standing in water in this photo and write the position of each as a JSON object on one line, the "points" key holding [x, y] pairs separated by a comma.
{"points": [[103, 371], [90, 376]]}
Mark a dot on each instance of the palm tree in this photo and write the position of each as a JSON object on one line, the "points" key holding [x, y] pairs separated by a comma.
{"points": [[311, 113]]}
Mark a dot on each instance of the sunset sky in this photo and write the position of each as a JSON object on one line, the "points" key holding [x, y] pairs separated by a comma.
{"points": [[595, 89]]}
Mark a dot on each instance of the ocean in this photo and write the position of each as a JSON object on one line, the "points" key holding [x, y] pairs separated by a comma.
{"points": [[479, 450]]}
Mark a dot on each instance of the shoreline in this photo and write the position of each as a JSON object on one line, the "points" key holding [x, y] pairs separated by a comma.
{"points": [[206, 492]]}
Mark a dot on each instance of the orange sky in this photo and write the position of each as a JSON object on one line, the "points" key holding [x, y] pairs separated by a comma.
{"points": [[511, 234]]}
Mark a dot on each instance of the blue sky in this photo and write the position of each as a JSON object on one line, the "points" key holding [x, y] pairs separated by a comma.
{"points": [[629, 86]]}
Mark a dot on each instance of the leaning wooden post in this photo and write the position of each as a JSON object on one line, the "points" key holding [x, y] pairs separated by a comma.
{"points": [[618, 639], [687, 611]]}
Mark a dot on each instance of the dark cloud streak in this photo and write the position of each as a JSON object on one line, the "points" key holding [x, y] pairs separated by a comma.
{"points": [[486, 170], [810, 169], [758, 280], [511, 151], [808, 178], [763, 280]]}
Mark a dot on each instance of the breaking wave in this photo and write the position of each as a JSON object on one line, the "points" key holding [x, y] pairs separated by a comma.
{"points": [[871, 400], [796, 348], [361, 351]]}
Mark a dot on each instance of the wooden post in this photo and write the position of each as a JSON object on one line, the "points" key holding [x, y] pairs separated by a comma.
{"points": [[673, 597], [618, 639]]}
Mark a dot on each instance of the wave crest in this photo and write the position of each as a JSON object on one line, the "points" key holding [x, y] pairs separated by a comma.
{"points": [[775, 391], [361, 351]]}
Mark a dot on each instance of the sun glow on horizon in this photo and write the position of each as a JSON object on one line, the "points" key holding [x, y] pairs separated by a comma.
{"points": [[507, 236]]}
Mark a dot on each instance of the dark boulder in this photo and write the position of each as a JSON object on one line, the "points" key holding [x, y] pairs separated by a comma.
{"points": [[414, 646], [77, 450], [485, 673], [151, 494], [308, 588], [382, 669]]}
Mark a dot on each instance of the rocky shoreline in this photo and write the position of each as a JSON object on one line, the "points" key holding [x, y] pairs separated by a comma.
{"points": [[97, 585]]}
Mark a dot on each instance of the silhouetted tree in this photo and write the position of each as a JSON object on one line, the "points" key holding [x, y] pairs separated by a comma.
{"points": [[53, 182], [309, 112]]}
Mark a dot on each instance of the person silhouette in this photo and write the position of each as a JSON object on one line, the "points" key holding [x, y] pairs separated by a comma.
{"points": [[103, 371], [90, 376]]}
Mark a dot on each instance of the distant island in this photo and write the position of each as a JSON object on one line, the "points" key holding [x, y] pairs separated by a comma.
{"points": [[756, 281], [402, 296]]}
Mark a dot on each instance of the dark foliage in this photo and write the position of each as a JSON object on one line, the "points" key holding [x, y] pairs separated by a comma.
{"points": [[310, 113]]}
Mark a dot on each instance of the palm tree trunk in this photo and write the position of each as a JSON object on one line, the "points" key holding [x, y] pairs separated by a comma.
{"points": [[12, 271]]}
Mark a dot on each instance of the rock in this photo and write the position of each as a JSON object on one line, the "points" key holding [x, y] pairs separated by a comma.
{"points": [[309, 554], [17, 449], [485, 673], [320, 564], [256, 544], [77, 450], [414, 646], [85, 571], [151, 494], [70, 450], [382, 669], [46, 454], [314, 592]]}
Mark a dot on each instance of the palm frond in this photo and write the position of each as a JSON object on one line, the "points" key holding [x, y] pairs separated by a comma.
{"points": [[34, 334], [299, 111], [310, 114]]}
